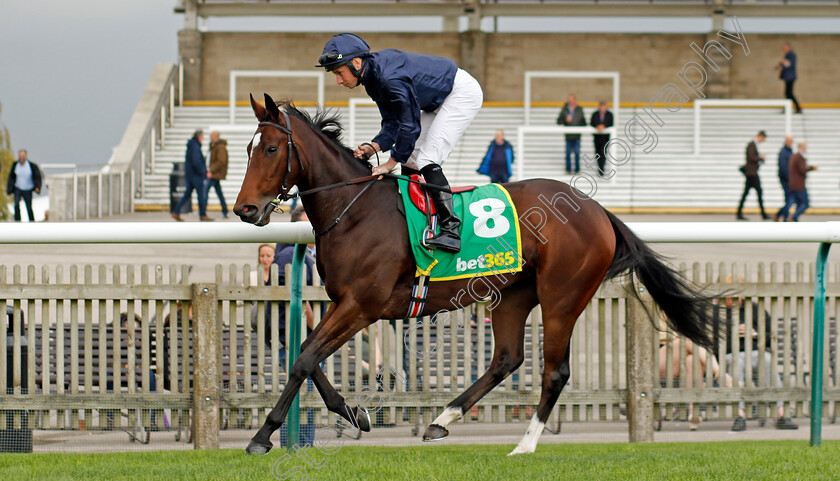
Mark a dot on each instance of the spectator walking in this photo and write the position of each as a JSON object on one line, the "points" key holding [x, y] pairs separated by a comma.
{"points": [[498, 160], [24, 178], [750, 171], [572, 116], [787, 72], [784, 160], [195, 170], [798, 170], [601, 120], [218, 168]]}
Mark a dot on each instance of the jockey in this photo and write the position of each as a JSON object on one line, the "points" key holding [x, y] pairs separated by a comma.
{"points": [[426, 104]]}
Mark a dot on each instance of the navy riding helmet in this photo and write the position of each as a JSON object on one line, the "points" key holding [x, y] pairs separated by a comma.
{"points": [[340, 50]]}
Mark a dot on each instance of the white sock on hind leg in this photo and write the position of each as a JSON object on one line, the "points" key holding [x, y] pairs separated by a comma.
{"points": [[532, 435]]}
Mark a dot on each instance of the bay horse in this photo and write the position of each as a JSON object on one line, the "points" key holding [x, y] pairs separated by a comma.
{"points": [[570, 246]]}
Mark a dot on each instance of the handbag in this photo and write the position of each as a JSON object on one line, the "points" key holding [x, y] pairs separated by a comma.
{"points": [[743, 169]]}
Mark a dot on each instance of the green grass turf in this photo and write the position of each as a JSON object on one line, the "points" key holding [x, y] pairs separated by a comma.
{"points": [[729, 460]]}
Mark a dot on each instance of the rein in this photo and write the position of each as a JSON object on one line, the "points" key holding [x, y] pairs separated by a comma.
{"points": [[293, 152], [359, 180], [370, 179]]}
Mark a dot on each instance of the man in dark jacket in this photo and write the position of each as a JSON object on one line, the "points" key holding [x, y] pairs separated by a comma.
{"points": [[787, 72], [784, 159], [196, 173], [601, 120], [426, 104], [572, 116], [750, 170], [24, 178], [498, 160], [218, 167], [798, 170]]}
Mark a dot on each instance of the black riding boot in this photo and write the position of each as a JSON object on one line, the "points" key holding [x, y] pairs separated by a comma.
{"points": [[449, 239]]}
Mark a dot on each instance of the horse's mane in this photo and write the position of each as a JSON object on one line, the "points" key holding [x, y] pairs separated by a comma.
{"points": [[325, 122]]}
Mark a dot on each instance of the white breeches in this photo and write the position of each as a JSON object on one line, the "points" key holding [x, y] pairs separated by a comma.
{"points": [[442, 129]]}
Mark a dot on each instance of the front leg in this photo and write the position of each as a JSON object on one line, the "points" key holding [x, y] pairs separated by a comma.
{"points": [[358, 417], [332, 399], [346, 320]]}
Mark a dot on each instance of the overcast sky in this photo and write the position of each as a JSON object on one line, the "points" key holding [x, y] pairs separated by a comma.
{"points": [[71, 72]]}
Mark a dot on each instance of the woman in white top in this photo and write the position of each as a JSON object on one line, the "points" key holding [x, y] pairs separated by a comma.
{"points": [[264, 260]]}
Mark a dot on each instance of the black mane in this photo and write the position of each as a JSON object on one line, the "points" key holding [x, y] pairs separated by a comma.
{"points": [[327, 123]]}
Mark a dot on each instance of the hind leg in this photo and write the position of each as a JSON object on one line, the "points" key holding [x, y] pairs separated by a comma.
{"points": [[555, 376], [509, 332], [560, 313]]}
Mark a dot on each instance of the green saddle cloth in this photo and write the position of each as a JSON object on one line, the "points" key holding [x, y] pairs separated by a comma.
{"points": [[490, 237]]}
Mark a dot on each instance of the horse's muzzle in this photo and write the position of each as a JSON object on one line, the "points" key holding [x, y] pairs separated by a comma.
{"points": [[253, 214]]}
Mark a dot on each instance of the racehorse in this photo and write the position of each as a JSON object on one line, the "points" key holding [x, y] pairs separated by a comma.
{"points": [[570, 245]]}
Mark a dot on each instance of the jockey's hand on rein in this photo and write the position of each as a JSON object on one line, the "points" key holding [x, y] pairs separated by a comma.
{"points": [[363, 152]]}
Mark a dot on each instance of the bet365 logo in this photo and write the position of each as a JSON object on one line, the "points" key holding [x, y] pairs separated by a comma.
{"points": [[486, 261]]}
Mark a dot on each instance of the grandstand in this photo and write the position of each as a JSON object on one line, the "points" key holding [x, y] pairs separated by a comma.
{"points": [[672, 177], [669, 177]]}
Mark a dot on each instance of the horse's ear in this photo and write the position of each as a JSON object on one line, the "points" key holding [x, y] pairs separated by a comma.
{"points": [[271, 106], [259, 110]]}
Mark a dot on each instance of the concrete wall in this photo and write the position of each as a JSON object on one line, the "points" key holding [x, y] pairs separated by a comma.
{"points": [[223, 52], [646, 61]]}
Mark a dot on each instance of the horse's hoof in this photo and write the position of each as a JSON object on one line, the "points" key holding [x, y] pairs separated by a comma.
{"points": [[520, 450], [362, 419], [257, 449], [435, 433]]}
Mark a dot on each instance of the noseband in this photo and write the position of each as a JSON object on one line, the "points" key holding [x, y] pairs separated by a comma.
{"points": [[292, 152]]}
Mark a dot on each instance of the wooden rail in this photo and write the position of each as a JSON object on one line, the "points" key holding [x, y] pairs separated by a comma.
{"points": [[68, 353]]}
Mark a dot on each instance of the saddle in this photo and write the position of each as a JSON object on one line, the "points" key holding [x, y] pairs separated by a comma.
{"points": [[420, 198]]}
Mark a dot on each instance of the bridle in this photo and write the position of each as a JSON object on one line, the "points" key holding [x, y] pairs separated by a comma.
{"points": [[292, 152]]}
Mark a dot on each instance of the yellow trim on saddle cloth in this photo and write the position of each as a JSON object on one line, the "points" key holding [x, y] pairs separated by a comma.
{"points": [[427, 272]]}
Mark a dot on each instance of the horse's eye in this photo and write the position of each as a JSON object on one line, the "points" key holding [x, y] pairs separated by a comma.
{"points": [[270, 149]]}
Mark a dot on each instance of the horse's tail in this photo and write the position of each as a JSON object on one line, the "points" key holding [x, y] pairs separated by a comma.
{"points": [[685, 305]]}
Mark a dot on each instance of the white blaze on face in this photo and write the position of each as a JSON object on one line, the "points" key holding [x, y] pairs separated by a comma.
{"points": [[254, 143]]}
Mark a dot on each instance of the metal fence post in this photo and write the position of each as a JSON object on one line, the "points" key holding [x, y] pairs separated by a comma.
{"points": [[293, 418], [817, 347], [640, 369], [206, 389]]}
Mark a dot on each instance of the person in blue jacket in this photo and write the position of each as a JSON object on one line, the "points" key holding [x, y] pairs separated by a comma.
{"points": [[787, 72], [498, 160], [195, 170], [426, 104], [784, 159]]}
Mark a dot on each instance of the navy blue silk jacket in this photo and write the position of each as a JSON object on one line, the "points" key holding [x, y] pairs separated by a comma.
{"points": [[402, 84]]}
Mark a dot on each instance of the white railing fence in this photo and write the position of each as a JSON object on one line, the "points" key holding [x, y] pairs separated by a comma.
{"points": [[235, 74], [786, 104]]}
